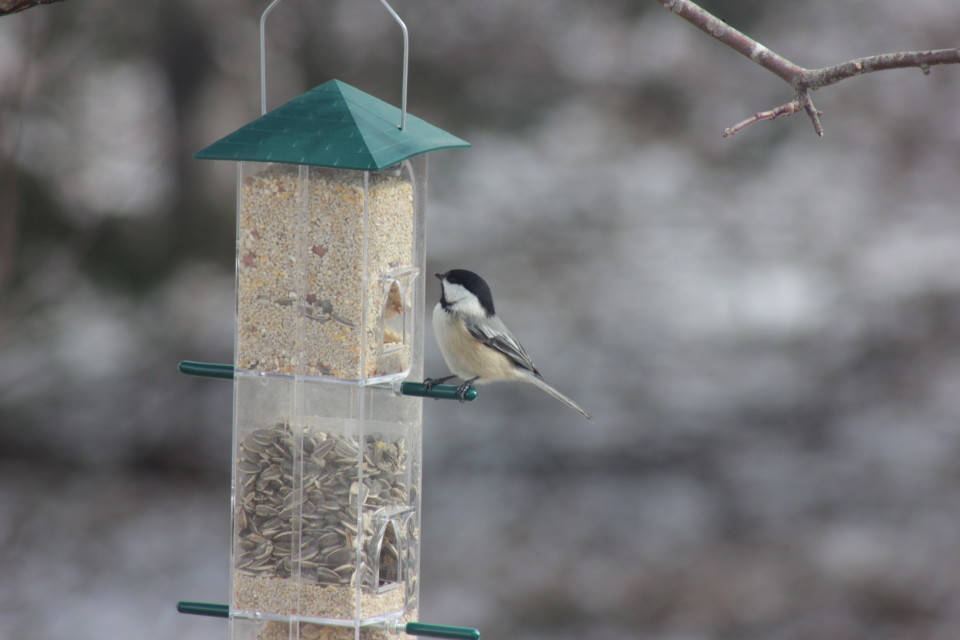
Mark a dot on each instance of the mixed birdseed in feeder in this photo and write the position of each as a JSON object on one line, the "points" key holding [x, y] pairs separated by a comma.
{"points": [[320, 254], [273, 630], [348, 512]]}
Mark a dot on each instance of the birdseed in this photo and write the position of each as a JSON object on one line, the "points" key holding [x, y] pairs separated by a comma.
{"points": [[307, 302], [343, 521], [274, 630]]}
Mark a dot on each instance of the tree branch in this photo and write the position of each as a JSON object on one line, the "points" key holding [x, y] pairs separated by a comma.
{"points": [[13, 6], [802, 80], [787, 109]]}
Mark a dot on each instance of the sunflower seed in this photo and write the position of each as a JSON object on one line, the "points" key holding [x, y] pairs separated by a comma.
{"points": [[323, 507]]}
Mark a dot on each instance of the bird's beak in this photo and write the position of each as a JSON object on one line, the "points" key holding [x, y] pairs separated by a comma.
{"points": [[439, 276]]}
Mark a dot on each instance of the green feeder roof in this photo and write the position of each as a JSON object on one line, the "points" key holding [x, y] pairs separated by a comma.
{"points": [[333, 125]]}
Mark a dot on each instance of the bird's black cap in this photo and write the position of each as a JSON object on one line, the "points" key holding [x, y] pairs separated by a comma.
{"points": [[472, 283]]}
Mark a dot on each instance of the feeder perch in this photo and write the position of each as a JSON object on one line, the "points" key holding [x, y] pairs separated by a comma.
{"points": [[407, 388], [329, 319]]}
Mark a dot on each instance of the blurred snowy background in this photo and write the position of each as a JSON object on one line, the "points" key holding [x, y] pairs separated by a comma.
{"points": [[767, 328]]}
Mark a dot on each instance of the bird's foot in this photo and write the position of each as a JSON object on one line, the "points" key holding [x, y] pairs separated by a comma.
{"points": [[428, 383], [462, 389]]}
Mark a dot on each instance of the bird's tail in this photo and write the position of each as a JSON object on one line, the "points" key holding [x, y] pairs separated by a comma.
{"points": [[559, 396]]}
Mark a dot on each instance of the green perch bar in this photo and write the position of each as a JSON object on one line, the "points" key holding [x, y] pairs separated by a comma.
{"points": [[206, 369], [437, 391], [204, 609], [411, 628], [441, 631]]}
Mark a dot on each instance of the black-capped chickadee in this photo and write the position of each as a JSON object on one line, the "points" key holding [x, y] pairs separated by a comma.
{"points": [[475, 343]]}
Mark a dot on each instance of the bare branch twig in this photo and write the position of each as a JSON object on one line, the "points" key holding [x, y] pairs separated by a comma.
{"points": [[801, 79], [13, 6], [787, 109]]}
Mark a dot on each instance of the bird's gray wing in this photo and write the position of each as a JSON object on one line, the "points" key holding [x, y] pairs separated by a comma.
{"points": [[495, 335]]}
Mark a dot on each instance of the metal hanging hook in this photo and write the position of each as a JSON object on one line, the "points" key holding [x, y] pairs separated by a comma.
{"points": [[406, 64], [263, 55], [263, 59]]}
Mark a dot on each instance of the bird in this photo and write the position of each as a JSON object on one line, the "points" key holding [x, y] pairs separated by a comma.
{"points": [[476, 345]]}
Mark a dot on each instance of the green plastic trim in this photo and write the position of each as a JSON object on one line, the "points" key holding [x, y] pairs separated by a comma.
{"points": [[418, 389], [441, 631], [438, 391], [204, 609], [332, 125], [411, 628], [206, 369]]}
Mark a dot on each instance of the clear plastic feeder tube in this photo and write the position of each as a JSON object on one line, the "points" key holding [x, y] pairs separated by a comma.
{"points": [[326, 477]]}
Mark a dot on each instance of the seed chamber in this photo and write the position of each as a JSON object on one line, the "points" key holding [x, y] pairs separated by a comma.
{"points": [[327, 268], [326, 502]]}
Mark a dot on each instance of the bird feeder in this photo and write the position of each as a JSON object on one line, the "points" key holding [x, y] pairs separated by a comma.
{"points": [[330, 286]]}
